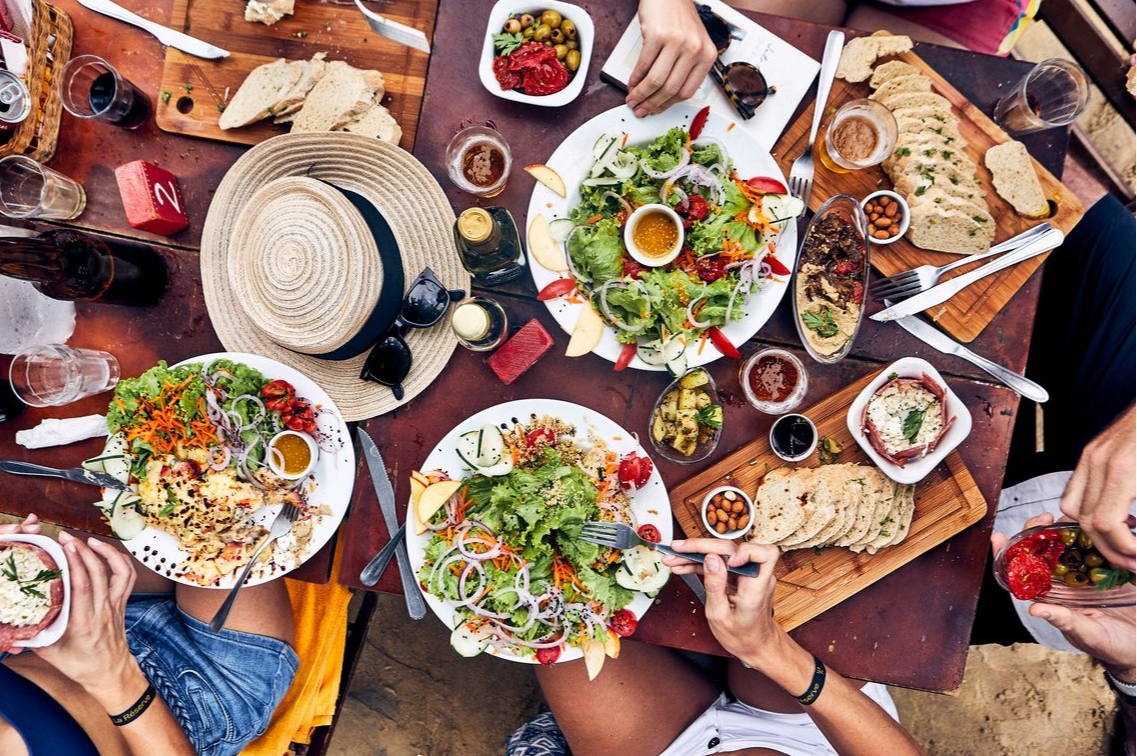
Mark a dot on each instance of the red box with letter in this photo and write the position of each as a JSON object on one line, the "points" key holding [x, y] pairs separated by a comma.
{"points": [[152, 198]]}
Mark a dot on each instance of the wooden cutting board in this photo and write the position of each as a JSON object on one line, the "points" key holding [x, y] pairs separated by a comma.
{"points": [[197, 86], [967, 313], [947, 501]]}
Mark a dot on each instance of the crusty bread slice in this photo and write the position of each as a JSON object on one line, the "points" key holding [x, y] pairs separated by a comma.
{"points": [[949, 231], [262, 89], [891, 70], [293, 100], [338, 98], [860, 54], [778, 510], [1015, 179], [912, 84], [376, 122], [918, 104], [928, 143], [975, 207]]}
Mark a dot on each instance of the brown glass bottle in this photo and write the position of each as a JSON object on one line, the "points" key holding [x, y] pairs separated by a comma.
{"points": [[69, 265], [489, 245]]}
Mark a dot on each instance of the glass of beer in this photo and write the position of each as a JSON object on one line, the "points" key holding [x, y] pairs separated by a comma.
{"points": [[1054, 93], [31, 190], [478, 161], [861, 134], [91, 88]]}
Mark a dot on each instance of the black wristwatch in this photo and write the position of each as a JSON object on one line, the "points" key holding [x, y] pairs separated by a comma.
{"points": [[1123, 689]]}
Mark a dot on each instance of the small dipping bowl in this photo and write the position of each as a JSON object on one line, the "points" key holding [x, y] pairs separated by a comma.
{"points": [[903, 219], [728, 533], [793, 437], [654, 235], [773, 373], [292, 455]]}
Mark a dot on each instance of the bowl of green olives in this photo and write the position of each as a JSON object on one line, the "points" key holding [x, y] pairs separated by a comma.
{"points": [[537, 54], [1058, 564]]}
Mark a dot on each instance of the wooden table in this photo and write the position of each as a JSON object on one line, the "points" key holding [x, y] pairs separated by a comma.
{"points": [[877, 634]]}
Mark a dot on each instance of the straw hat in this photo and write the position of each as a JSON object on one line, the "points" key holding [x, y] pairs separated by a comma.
{"points": [[291, 270]]}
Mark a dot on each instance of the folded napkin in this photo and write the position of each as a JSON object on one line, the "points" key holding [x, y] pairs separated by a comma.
{"points": [[320, 613], [53, 432]]}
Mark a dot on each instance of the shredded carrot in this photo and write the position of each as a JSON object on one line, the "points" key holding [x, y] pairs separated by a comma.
{"points": [[595, 218], [731, 126], [624, 141]]}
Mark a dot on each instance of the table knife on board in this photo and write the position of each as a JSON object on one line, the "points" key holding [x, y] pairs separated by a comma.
{"points": [[394, 31], [416, 606], [74, 474], [165, 35]]}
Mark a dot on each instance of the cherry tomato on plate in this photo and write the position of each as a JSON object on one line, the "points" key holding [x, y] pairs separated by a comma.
{"points": [[649, 532], [766, 185], [634, 472], [722, 343], [623, 623], [696, 207], [549, 656], [633, 269], [279, 395], [544, 436], [776, 266], [710, 268], [627, 354], [559, 288]]}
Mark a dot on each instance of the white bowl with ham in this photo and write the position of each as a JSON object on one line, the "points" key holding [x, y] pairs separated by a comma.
{"points": [[38, 631], [907, 420]]}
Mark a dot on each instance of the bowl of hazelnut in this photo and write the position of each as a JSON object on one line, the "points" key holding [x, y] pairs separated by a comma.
{"points": [[887, 214], [727, 512]]}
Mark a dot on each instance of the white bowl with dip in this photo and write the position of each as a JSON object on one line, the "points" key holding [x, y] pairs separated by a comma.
{"points": [[654, 235], [292, 455]]}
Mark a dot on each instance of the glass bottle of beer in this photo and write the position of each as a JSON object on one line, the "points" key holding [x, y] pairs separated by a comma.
{"points": [[69, 265], [488, 244]]}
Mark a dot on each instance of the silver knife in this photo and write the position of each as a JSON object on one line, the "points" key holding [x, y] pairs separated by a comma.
{"points": [[696, 586], [416, 606], [933, 338], [394, 31], [948, 289], [165, 35], [75, 474]]}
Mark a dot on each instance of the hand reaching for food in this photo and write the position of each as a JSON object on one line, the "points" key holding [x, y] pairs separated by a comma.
{"points": [[30, 526], [676, 56]]}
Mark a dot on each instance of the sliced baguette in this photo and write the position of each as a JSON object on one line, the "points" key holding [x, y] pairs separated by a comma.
{"points": [[313, 71], [860, 54], [949, 231], [891, 70], [338, 98], [1015, 180], [912, 84], [259, 94], [376, 122]]}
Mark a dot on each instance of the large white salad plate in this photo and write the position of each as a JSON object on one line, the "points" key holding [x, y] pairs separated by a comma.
{"points": [[330, 484], [650, 503], [573, 160]]}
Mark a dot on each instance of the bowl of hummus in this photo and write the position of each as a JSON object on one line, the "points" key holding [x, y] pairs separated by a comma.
{"points": [[829, 282]]}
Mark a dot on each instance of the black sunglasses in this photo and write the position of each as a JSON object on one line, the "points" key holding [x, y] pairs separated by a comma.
{"points": [[426, 302], [742, 83]]}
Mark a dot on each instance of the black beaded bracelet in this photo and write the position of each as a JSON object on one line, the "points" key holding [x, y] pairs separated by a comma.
{"points": [[815, 685], [136, 709]]}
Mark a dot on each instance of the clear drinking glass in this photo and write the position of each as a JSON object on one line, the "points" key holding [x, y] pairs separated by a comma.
{"points": [[862, 134], [478, 160], [54, 374], [91, 88], [31, 190], [1054, 93]]}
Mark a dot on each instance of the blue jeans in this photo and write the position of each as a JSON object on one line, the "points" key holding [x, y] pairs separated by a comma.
{"points": [[222, 687]]}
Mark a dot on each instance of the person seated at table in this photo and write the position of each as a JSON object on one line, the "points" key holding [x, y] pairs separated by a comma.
{"points": [[778, 698], [141, 673]]}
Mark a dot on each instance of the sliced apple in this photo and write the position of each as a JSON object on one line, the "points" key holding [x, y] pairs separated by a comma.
{"points": [[544, 247], [418, 485], [586, 333], [548, 177], [593, 657], [432, 499], [612, 645]]}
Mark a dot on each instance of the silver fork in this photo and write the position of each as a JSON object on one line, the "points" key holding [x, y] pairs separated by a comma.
{"points": [[617, 535], [801, 172], [912, 282], [289, 514]]}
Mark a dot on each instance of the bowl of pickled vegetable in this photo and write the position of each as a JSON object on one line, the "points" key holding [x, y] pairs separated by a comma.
{"points": [[1058, 564], [537, 54], [686, 423]]}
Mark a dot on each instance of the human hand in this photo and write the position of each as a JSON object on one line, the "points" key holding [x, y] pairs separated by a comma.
{"points": [[676, 56], [1102, 489], [1109, 635], [30, 526]]}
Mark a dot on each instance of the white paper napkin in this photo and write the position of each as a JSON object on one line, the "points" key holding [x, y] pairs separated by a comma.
{"points": [[57, 432]]}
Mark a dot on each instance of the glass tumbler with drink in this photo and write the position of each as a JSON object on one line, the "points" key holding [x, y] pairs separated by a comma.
{"points": [[91, 88], [1054, 93], [861, 134], [31, 190], [478, 160], [54, 374]]}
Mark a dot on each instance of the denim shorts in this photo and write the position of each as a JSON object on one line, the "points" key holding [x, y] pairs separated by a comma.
{"points": [[222, 687]]}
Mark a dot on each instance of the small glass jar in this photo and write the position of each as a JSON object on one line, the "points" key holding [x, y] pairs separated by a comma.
{"points": [[774, 381], [480, 324], [489, 244]]}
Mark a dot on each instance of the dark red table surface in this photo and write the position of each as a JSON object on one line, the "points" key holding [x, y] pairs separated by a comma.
{"points": [[877, 634]]}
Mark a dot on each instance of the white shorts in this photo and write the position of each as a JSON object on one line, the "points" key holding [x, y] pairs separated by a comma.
{"points": [[730, 725]]}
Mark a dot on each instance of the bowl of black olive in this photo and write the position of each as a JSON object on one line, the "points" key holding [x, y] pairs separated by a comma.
{"points": [[1058, 564]]}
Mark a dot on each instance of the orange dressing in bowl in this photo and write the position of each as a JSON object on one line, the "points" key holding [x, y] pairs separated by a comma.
{"points": [[295, 456], [655, 234]]}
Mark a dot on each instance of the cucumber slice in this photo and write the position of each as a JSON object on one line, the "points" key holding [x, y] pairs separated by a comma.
{"points": [[780, 209], [674, 348], [677, 366], [601, 145], [505, 467], [643, 570], [468, 448], [118, 468], [490, 446], [126, 522], [560, 229], [469, 641], [651, 352], [95, 464]]}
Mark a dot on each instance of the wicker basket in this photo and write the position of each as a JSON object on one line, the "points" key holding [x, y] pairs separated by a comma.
{"points": [[37, 135]]}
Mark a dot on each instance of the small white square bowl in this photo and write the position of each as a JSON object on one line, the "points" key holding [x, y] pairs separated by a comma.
{"points": [[54, 631], [585, 34], [917, 469]]}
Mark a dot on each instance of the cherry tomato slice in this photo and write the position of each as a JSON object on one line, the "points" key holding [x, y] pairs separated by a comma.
{"points": [[627, 354], [649, 532], [558, 288], [766, 185], [776, 266], [623, 623], [696, 207], [698, 122], [722, 343], [549, 656], [541, 435], [710, 268], [634, 472], [633, 269]]}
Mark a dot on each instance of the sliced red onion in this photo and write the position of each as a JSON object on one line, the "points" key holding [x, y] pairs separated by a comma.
{"points": [[684, 159], [568, 257], [220, 456], [601, 294], [623, 202]]}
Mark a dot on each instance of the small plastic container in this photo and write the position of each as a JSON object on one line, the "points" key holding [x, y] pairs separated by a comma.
{"points": [[905, 214], [793, 437], [774, 365], [281, 446], [729, 534]]}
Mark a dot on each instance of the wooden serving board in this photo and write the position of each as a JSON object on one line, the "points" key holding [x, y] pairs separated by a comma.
{"points": [[197, 86], [967, 313], [947, 501]]}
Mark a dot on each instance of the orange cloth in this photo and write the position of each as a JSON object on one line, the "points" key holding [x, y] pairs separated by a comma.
{"points": [[321, 632]]}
